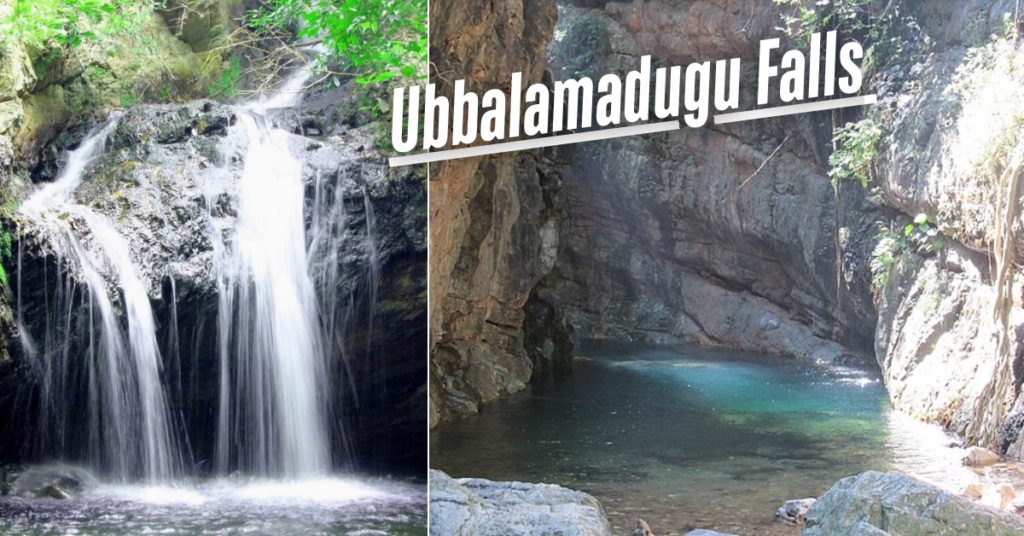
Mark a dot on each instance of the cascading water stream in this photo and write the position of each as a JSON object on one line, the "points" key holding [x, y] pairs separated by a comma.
{"points": [[280, 316], [126, 401], [254, 317], [273, 405]]}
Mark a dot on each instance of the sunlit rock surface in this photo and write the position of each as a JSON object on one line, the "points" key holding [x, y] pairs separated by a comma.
{"points": [[478, 507], [879, 504]]}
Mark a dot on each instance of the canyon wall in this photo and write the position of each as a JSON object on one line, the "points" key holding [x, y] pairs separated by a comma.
{"points": [[492, 234], [733, 235]]}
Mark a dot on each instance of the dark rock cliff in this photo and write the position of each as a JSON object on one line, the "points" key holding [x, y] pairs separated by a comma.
{"points": [[490, 218]]}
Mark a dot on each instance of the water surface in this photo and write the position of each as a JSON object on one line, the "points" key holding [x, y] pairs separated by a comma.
{"points": [[319, 506], [693, 438]]}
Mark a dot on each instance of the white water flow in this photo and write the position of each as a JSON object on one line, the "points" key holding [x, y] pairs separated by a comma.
{"points": [[273, 404], [126, 401]]}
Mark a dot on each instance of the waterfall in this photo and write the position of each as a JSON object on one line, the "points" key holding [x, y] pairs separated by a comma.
{"points": [[274, 386], [280, 317], [129, 431]]}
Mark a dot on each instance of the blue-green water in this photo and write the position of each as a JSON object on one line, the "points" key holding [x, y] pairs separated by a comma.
{"points": [[692, 438]]}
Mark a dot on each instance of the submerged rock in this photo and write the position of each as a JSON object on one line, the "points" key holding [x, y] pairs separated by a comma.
{"points": [[979, 457], [478, 507], [793, 511], [973, 491], [642, 529], [999, 497], [875, 503], [52, 481], [53, 492]]}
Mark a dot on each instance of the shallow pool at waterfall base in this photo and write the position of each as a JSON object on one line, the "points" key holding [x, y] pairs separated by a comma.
{"points": [[693, 438], [336, 506]]}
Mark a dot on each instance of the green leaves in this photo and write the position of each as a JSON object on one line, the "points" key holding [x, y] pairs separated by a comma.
{"points": [[846, 16], [858, 147], [924, 234], [226, 86], [887, 251], [378, 39], [40, 23]]}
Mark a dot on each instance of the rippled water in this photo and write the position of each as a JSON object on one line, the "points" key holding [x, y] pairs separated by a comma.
{"points": [[693, 438], [334, 506]]}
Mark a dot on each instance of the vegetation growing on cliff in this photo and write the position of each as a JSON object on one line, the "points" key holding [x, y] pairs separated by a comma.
{"points": [[377, 39], [587, 43], [856, 148], [40, 23]]}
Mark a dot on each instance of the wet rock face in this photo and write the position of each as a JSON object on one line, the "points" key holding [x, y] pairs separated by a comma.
{"points": [[487, 214], [674, 238], [168, 177], [879, 504], [478, 507]]}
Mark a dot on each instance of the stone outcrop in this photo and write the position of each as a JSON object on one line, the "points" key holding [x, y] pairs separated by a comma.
{"points": [[202, 24], [493, 220], [879, 504], [478, 507], [949, 110]]}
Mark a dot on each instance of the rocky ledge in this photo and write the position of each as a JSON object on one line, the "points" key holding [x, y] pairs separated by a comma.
{"points": [[880, 504], [478, 507]]}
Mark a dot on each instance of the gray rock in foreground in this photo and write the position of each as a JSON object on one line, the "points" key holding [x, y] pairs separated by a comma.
{"points": [[478, 507], [879, 504]]}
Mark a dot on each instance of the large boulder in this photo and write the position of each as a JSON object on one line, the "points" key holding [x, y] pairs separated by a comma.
{"points": [[478, 507], [878, 504]]}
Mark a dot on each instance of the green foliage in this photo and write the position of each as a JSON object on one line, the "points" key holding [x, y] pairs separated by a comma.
{"points": [[887, 251], [586, 42], [857, 148], [5, 254], [6, 237], [378, 39], [845, 16], [924, 235], [867, 21], [130, 99], [40, 23], [920, 236], [226, 87]]}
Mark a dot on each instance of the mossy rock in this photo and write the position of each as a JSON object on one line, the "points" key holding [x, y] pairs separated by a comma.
{"points": [[11, 117], [16, 75], [49, 66], [46, 114], [202, 24]]}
